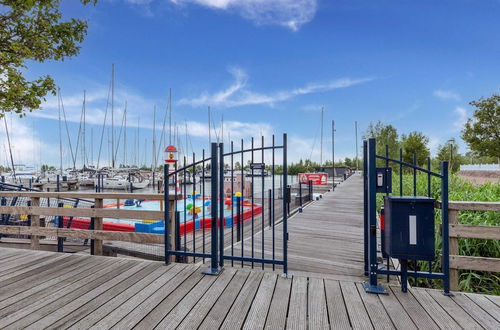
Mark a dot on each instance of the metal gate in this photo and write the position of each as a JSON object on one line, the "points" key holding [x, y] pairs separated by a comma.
{"points": [[371, 188], [230, 207]]}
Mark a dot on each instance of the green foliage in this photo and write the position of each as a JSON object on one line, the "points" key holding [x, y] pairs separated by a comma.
{"points": [[33, 31], [460, 190], [46, 168], [482, 132], [415, 143], [449, 152], [386, 135]]}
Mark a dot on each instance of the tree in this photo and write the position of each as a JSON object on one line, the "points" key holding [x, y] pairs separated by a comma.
{"points": [[449, 152], [385, 135], [33, 31], [482, 132], [415, 143]]}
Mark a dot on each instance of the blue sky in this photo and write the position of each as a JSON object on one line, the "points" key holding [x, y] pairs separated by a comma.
{"points": [[268, 67]]}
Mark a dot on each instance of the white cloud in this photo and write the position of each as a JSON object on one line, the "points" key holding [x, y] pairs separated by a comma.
{"points": [[461, 118], [291, 14], [237, 94], [447, 95], [26, 146]]}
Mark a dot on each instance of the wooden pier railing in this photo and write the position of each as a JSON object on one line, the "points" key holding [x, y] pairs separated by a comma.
{"points": [[457, 230], [98, 212]]}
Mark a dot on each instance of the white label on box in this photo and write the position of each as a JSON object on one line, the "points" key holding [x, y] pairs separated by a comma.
{"points": [[380, 179], [413, 229]]}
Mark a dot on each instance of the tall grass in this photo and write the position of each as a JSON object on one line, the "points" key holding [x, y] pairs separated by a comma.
{"points": [[459, 190]]}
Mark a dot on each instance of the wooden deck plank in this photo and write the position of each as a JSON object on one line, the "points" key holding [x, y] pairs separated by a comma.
{"points": [[486, 304], [485, 319], [60, 280], [443, 320], [256, 318], [191, 275], [72, 312], [453, 309], [378, 315], [339, 319], [196, 280], [199, 311], [23, 261], [10, 288], [34, 268], [203, 291], [28, 314], [276, 318], [297, 311], [237, 314], [357, 313], [316, 300], [396, 312], [99, 312], [218, 312], [416, 312], [134, 305]]}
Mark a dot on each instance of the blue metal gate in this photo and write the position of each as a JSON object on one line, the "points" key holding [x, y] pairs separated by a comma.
{"points": [[231, 201], [372, 266]]}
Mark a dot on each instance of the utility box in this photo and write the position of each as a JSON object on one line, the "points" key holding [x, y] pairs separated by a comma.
{"points": [[383, 181], [409, 227]]}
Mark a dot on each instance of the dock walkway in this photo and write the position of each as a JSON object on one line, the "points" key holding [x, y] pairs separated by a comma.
{"points": [[48, 290], [326, 238]]}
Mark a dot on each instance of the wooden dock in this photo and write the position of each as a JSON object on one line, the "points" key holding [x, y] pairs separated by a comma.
{"points": [[49, 290], [40, 289]]}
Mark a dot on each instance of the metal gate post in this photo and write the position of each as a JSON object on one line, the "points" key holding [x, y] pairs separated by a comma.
{"points": [[285, 215], [446, 236], [365, 203], [214, 264], [221, 204], [166, 213], [372, 286]]}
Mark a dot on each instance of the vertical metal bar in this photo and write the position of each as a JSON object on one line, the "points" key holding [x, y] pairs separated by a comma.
{"points": [[58, 187], [263, 201], [203, 199], [365, 204], [193, 195], [300, 196], [270, 207], [333, 158], [60, 224], [285, 215], [91, 227], [372, 200], [429, 177], [382, 236], [232, 203], [214, 265], [445, 230], [166, 213], [400, 172], [238, 219], [253, 203], [242, 199], [184, 189], [414, 174], [221, 204], [274, 210]]}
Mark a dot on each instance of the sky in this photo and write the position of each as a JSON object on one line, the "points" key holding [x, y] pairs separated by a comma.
{"points": [[267, 67]]}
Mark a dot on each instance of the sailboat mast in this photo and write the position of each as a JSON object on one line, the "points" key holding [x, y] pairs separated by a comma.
{"points": [[10, 148], [356, 132], [125, 137], [113, 115], [153, 152], [209, 130], [222, 127], [83, 132], [170, 116], [60, 131], [321, 143]]}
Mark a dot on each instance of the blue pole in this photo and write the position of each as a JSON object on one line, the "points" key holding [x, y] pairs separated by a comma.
{"points": [[446, 238], [166, 213], [285, 215], [214, 266], [365, 203], [372, 286]]}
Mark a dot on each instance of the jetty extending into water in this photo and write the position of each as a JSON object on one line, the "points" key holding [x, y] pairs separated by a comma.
{"points": [[323, 288]]}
